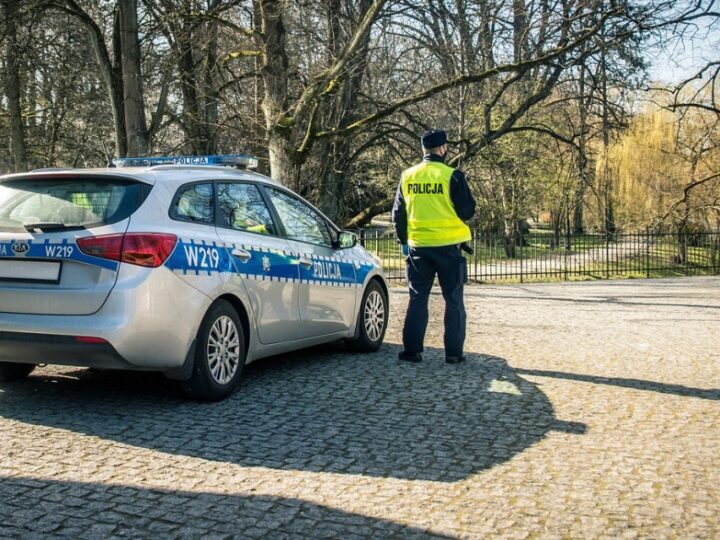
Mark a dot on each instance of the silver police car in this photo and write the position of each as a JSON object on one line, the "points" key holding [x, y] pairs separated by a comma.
{"points": [[192, 269]]}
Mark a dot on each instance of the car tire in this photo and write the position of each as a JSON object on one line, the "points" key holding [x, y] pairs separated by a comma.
{"points": [[219, 355], [10, 371], [372, 319]]}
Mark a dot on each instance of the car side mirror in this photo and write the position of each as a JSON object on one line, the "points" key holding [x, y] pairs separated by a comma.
{"points": [[346, 239]]}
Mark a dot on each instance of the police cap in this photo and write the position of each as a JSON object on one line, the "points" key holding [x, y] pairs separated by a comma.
{"points": [[433, 138]]}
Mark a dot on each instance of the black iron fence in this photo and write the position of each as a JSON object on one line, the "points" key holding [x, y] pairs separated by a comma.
{"points": [[540, 256]]}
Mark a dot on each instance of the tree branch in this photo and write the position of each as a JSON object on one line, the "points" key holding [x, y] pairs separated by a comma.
{"points": [[328, 80], [364, 216], [463, 80], [686, 192]]}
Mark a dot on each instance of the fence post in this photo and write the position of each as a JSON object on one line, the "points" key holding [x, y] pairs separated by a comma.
{"points": [[647, 252], [607, 253], [475, 254], [565, 254]]}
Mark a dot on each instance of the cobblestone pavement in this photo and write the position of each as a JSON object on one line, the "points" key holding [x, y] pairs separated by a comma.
{"points": [[586, 410]]}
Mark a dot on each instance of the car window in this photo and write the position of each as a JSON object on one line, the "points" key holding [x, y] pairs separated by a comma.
{"points": [[54, 202], [301, 221], [243, 208], [194, 202]]}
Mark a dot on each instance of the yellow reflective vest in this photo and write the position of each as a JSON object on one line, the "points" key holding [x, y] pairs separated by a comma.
{"points": [[431, 217]]}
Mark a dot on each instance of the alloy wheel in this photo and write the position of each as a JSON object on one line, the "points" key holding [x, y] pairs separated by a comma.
{"points": [[374, 315], [223, 350]]}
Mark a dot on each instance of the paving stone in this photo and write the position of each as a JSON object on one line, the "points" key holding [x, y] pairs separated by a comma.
{"points": [[584, 410]]}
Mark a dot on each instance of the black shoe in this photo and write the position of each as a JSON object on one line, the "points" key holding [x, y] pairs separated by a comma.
{"points": [[410, 357], [454, 359]]}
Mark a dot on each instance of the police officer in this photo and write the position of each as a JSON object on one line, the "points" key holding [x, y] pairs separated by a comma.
{"points": [[431, 204]]}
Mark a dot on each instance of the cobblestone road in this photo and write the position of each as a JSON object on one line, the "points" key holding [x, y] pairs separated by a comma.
{"points": [[586, 410]]}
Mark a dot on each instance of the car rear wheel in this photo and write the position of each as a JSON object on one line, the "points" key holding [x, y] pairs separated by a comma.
{"points": [[9, 371], [372, 320], [219, 355]]}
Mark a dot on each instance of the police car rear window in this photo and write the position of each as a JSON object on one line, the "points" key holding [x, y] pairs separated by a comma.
{"points": [[52, 204]]}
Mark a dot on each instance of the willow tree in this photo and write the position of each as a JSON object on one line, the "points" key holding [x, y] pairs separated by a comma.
{"points": [[667, 166]]}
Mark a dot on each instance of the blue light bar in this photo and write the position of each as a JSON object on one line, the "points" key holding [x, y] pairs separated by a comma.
{"points": [[245, 161]]}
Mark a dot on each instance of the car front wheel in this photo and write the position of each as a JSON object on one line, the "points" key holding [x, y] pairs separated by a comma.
{"points": [[219, 355], [9, 371], [372, 320]]}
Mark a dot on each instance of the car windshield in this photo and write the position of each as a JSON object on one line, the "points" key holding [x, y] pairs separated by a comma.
{"points": [[51, 204]]}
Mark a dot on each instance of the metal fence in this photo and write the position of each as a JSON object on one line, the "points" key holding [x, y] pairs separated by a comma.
{"points": [[545, 257]]}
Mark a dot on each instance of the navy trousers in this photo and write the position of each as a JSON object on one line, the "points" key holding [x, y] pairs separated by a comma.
{"points": [[422, 265]]}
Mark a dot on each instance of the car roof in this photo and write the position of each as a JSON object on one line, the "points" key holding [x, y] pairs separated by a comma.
{"points": [[153, 175]]}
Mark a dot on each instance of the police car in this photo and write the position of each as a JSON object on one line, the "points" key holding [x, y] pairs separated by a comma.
{"points": [[181, 265]]}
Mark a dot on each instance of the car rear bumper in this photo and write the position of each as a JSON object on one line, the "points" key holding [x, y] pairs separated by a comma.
{"points": [[149, 322], [27, 348]]}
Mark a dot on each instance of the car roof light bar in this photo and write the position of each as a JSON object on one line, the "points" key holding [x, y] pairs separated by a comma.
{"points": [[243, 161]]}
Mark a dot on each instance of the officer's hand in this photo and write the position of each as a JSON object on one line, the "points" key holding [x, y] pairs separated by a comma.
{"points": [[405, 250]]}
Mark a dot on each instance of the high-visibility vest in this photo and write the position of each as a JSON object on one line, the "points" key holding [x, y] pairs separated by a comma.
{"points": [[81, 199], [431, 217]]}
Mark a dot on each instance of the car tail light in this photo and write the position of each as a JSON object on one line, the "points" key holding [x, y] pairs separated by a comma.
{"points": [[149, 250], [142, 249], [90, 339]]}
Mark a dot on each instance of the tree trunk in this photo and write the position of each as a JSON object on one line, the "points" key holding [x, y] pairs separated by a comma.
{"points": [[520, 31], [12, 87], [112, 73], [291, 129], [136, 128], [211, 94], [509, 218], [556, 226], [333, 187], [282, 165], [274, 72], [486, 34], [333, 197], [579, 202], [609, 212], [188, 85], [684, 219], [509, 239]]}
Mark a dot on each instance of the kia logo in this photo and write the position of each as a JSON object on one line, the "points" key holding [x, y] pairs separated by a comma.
{"points": [[20, 247]]}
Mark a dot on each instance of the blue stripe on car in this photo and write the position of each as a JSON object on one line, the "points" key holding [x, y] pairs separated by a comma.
{"points": [[54, 251], [190, 257]]}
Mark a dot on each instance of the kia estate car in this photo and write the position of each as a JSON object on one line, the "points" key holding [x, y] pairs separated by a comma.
{"points": [[192, 269]]}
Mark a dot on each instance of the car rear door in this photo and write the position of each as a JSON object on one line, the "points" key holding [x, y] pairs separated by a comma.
{"points": [[262, 260], [43, 217], [199, 258]]}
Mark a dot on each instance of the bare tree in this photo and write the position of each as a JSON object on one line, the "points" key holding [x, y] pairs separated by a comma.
{"points": [[134, 102], [13, 84], [332, 93]]}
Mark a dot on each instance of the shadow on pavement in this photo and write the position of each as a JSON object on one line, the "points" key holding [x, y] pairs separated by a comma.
{"points": [[637, 384], [322, 410], [44, 508]]}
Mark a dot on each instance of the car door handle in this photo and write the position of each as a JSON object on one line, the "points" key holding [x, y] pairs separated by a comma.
{"points": [[241, 254], [307, 263]]}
